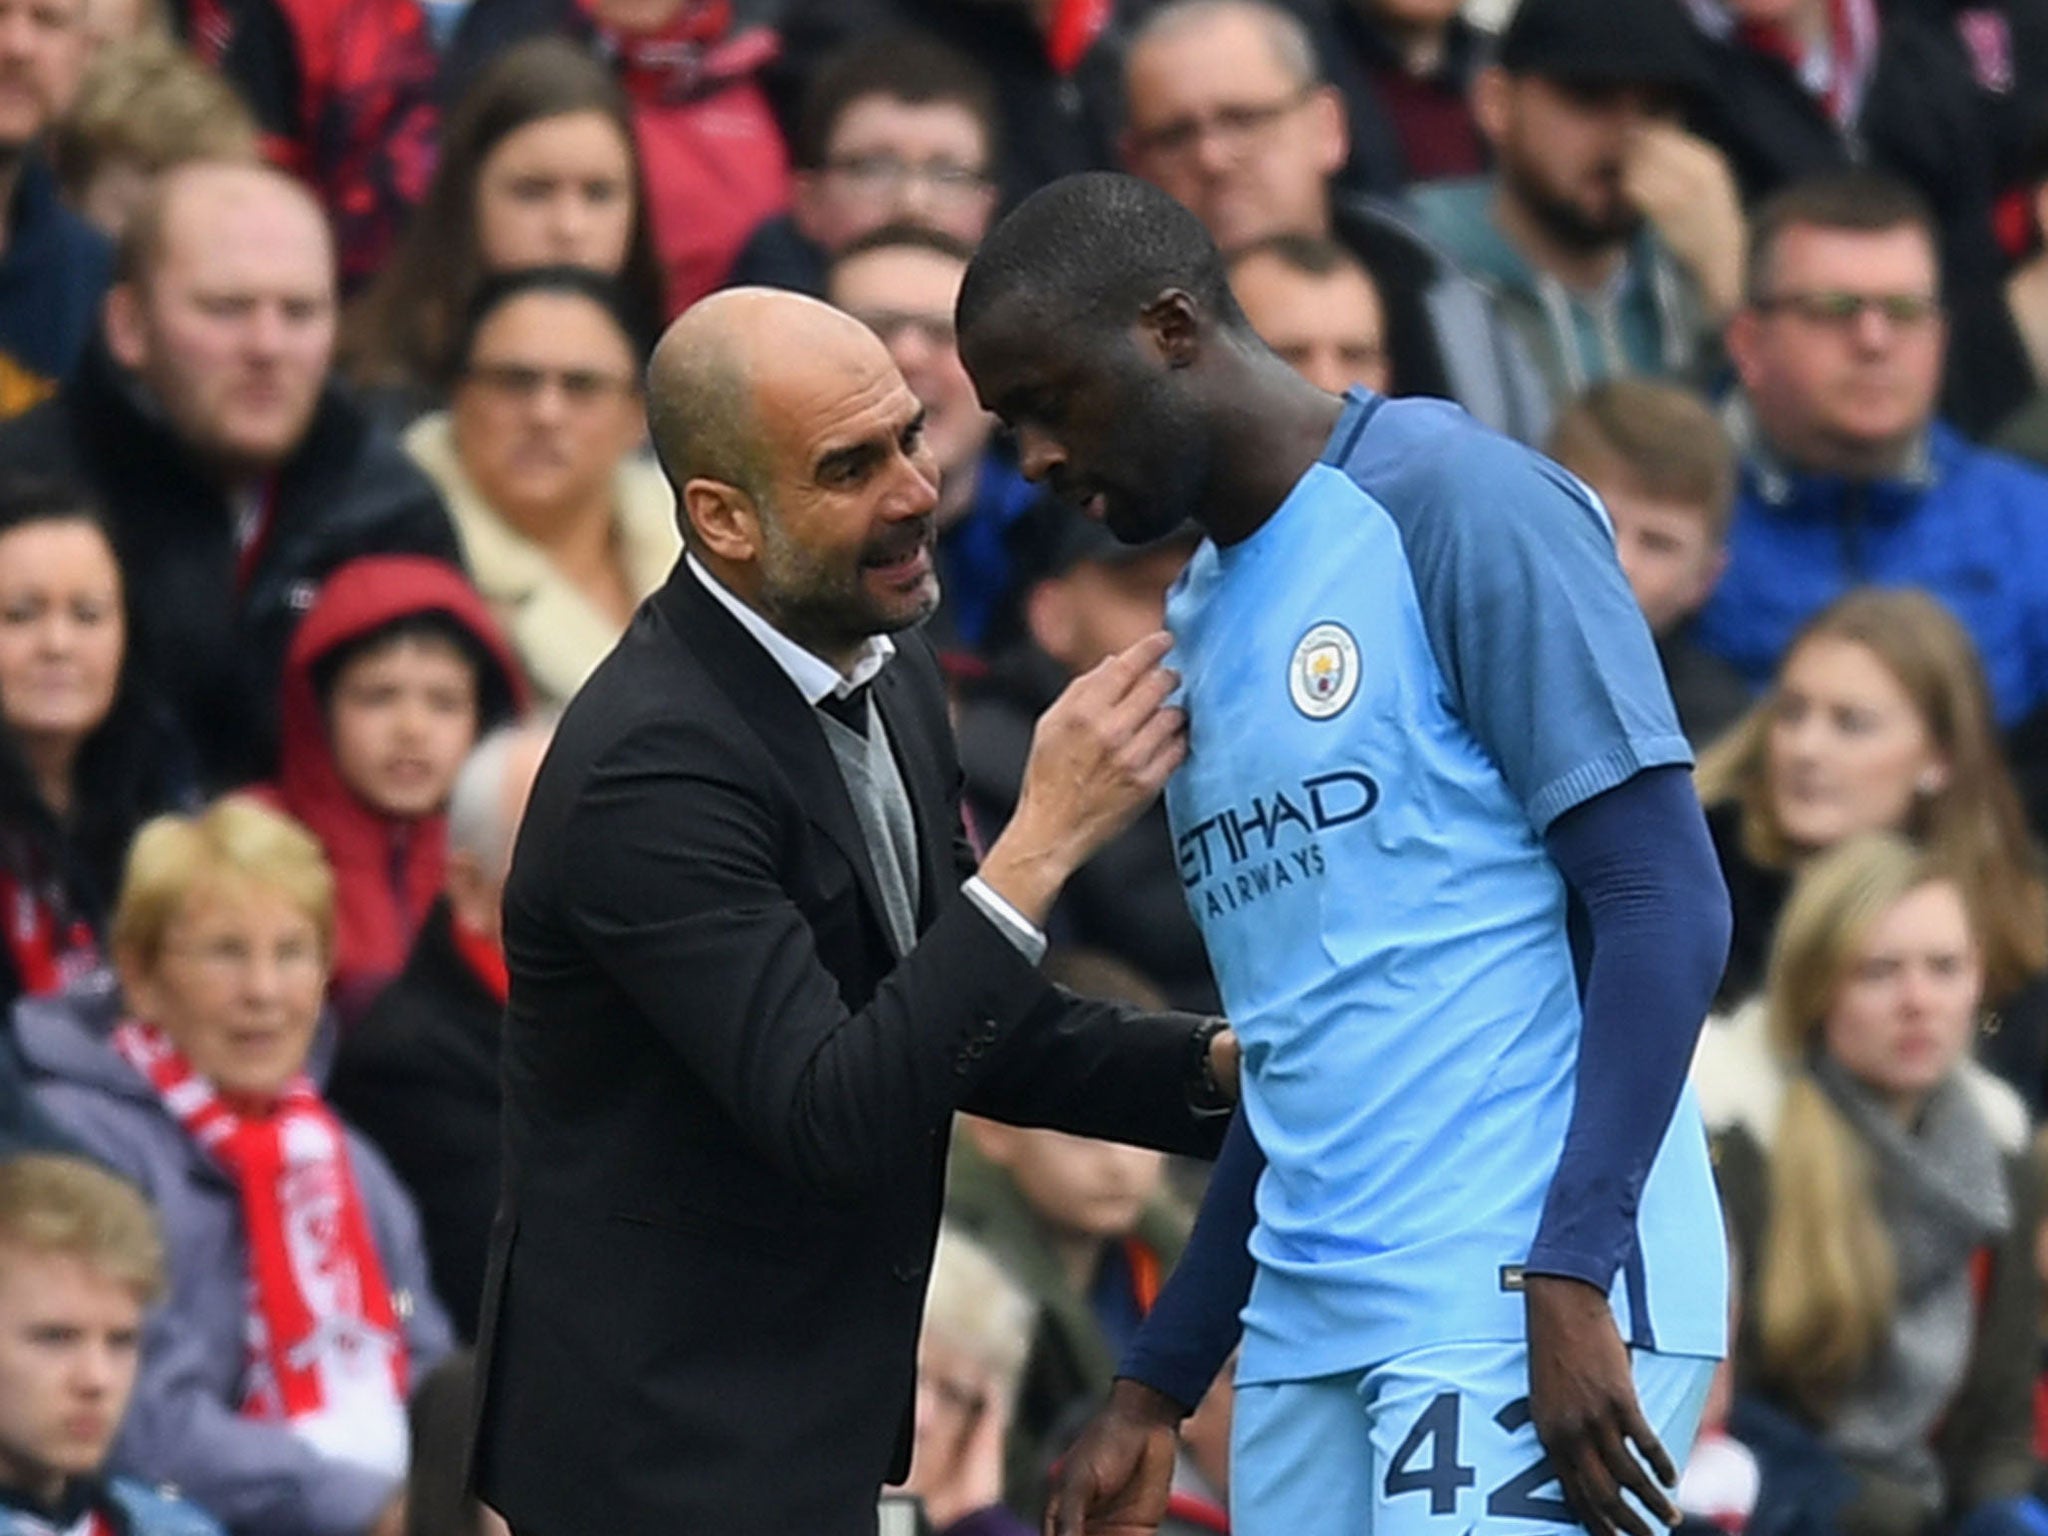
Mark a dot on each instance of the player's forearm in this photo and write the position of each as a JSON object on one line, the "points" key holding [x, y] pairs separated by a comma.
{"points": [[1640, 860], [1193, 1326]]}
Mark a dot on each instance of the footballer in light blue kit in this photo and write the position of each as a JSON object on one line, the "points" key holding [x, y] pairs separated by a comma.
{"points": [[1436, 827]]}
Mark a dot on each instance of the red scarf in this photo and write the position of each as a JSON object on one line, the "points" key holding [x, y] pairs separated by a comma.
{"points": [[49, 949], [325, 1353], [1074, 27]]}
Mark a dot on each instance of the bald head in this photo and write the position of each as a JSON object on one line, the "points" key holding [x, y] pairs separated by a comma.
{"points": [[802, 474], [733, 368], [198, 200]]}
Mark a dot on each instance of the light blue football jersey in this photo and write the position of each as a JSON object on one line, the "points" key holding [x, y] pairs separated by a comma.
{"points": [[1386, 710]]}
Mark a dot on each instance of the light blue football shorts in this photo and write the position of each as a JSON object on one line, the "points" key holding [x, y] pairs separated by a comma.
{"points": [[1432, 1443]]}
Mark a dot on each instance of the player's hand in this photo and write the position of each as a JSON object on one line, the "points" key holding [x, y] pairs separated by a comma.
{"points": [[1682, 185], [1100, 754], [1582, 1399], [1115, 1480], [390, 1519]]}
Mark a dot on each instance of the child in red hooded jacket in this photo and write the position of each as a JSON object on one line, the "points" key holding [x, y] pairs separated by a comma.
{"points": [[396, 672]]}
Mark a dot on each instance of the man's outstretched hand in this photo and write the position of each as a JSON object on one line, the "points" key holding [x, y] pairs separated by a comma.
{"points": [[1116, 1478], [1582, 1398]]}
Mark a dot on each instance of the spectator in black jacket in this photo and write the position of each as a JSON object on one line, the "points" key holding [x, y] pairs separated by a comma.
{"points": [[419, 1074], [233, 476]]}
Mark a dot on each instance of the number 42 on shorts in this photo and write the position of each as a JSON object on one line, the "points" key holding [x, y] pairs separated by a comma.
{"points": [[1428, 1462]]}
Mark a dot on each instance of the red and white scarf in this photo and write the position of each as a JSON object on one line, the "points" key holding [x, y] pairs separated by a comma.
{"points": [[325, 1352]]}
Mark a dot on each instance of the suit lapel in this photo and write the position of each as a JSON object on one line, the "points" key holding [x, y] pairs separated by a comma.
{"points": [[765, 697]]}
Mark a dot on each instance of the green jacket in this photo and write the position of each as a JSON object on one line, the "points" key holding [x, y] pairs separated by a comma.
{"points": [[1071, 1363]]}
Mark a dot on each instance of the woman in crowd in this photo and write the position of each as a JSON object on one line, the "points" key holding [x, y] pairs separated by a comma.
{"points": [[395, 673], [1881, 1202], [274, 1379], [538, 167], [1880, 720], [84, 758], [565, 525]]}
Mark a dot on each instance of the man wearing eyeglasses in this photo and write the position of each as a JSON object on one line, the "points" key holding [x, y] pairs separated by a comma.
{"points": [[1848, 478], [898, 129]]}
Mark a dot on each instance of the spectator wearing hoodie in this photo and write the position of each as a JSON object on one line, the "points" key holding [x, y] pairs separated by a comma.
{"points": [[1608, 238], [395, 674]]}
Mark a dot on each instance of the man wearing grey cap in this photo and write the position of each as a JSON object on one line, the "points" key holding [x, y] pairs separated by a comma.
{"points": [[1609, 238]]}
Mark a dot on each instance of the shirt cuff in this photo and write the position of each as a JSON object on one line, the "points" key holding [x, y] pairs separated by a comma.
{"points": [[1012, 924]]}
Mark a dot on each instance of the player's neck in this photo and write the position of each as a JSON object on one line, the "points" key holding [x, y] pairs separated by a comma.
{"points": [[1282, 425]]}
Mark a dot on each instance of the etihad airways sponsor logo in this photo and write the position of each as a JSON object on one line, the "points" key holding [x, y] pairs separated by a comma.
{"points": [[1249, 851]]}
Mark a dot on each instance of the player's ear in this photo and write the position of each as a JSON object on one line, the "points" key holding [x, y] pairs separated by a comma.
{"points": [[1173, 321]]}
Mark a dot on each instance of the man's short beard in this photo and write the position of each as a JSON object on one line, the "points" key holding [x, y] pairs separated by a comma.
{"points": [[1565, 222]]}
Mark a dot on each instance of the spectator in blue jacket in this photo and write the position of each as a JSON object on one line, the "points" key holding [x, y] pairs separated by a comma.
{"points": [[80, 1257], [1848, 479]]}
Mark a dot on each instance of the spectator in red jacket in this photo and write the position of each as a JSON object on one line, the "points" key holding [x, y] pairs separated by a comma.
{"points": [[396, 672], [344, 93]]}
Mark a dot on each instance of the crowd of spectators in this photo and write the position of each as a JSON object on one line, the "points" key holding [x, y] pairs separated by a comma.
{"points": [[324, 483]]}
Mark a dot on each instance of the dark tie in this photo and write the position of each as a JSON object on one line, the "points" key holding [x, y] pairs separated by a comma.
{"points": [[849, 709]]}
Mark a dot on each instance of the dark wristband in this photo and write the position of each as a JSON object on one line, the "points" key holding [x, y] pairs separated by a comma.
{"points": [[1205, 1094]]}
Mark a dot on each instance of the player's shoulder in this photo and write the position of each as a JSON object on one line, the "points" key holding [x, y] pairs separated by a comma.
{"points": [[1442, 475], [1458, 491]]}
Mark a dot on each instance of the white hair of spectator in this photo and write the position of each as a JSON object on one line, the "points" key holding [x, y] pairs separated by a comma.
{"points": [[975, 1307], [476, 805], [1287, 33]]}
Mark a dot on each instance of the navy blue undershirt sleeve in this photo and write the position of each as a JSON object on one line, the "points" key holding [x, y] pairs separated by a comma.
{"points": [[1193, 1326], [1655, 909]]}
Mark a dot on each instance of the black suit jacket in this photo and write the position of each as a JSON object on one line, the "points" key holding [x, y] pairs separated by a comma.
{"points": [[727, 1101]]}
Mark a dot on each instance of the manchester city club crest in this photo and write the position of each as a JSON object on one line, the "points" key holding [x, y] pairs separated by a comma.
{"points": [[1323, 675]]}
